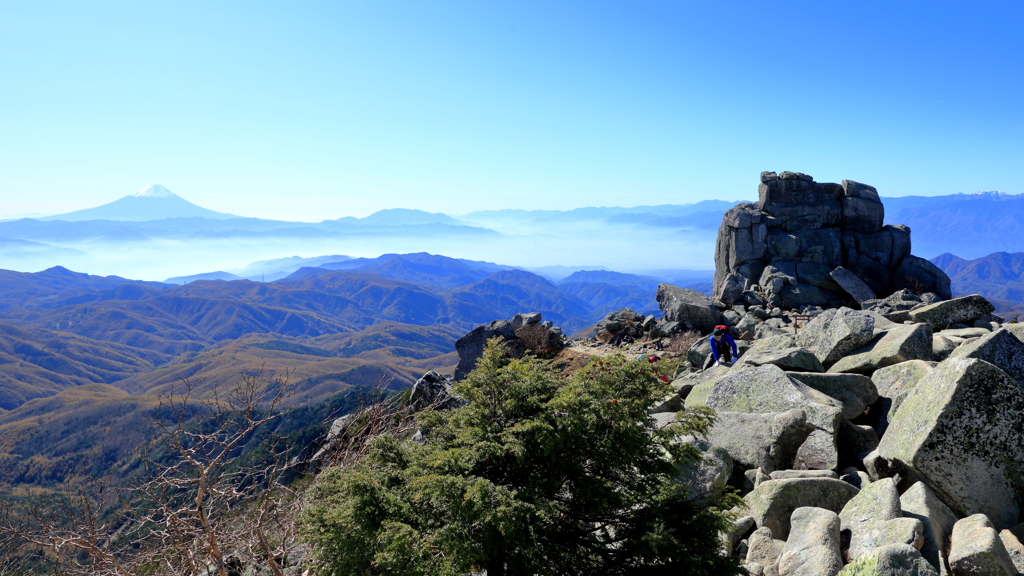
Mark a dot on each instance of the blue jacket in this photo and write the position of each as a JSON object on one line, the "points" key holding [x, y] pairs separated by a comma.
{"points": [[714, 346]]}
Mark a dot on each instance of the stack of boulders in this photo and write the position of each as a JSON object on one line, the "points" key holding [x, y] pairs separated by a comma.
{"points": [[523, 334], [805, 243], [867, 446]]}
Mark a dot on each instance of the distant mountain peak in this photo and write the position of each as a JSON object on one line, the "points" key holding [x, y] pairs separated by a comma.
{"points": [[154, 191], [153, 202]]}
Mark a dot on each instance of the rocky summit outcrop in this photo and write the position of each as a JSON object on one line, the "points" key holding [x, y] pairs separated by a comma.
{"points": [[524, 334], [807, 243]]}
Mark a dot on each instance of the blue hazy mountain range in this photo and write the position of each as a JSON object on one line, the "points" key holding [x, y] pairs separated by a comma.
{"points": [[968, 225], [155, 234]]}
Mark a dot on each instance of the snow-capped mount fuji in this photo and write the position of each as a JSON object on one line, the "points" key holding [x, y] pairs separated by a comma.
{"points": [[154, 191], [152, 202]]}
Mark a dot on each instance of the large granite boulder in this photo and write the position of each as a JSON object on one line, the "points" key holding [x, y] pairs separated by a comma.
{"points": [[794, 358], [1012, 541], [767, 389], [812, 548], [921, 276], [977, 549], [689, 308], [874, 518], [960, 431], [835, 333], [614, 323], [708, 475], [963, 310], [763, 549], [894, 383], [433, 390], [862, 208], [900, 344], [1000, 348], [855, 391], [773, 502], [767, 441], [853, 285]]}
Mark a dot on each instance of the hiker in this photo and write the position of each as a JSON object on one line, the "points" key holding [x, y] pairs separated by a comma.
{"points": [[723, 348]]}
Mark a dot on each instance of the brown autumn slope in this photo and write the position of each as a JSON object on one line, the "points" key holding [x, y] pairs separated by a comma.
{"points": [[316, 373], [82, 431], [37, 363]]}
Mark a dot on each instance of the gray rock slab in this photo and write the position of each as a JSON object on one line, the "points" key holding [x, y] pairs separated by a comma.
{"points": [[977, 549], [877, 503], [784, 474], [965, 333], [702, 383], [793, 359], [891, 560], [958, 310], [853, 285], [773, 502], [766, 441], [768, 389], [836, 332], [812, 548], [856, 391], [936, 518], [1000, 348], [900, 344], [960, 431]]}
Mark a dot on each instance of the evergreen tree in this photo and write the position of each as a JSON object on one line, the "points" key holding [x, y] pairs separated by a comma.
{"points": [[532, 476]]}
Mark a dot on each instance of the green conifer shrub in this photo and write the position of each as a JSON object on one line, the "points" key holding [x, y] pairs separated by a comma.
{"points": [[532, 476]]}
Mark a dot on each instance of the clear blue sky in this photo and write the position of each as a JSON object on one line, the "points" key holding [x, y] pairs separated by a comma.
{"points": [[314, 110]]}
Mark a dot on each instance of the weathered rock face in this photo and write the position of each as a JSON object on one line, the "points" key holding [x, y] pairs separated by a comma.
{"points": [[960, 432], [525, 333], [766, 441], [806, 230], [433, 389], [920, 503], [691, 309]]}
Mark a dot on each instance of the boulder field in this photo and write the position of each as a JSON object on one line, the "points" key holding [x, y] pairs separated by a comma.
{"points": [[857, 452]]}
